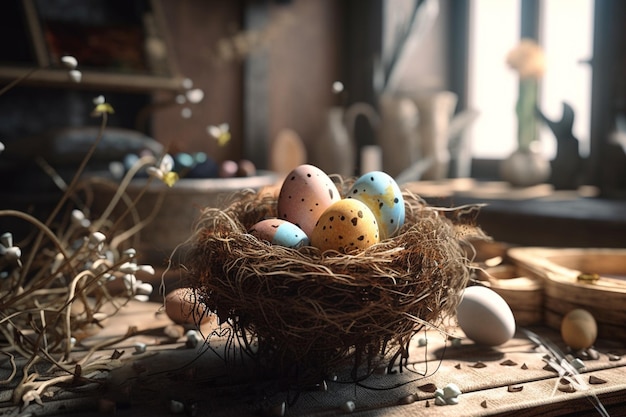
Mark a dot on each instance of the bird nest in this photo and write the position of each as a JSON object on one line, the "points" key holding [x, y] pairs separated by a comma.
{"points": [[317, 311]]}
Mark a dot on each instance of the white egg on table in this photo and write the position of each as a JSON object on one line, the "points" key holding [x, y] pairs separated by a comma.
{"points": [[485, 317]]}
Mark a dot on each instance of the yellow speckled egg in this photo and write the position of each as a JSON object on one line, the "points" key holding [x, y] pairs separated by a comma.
{"points": [[306, 192], [347, 225], [579, 329]]}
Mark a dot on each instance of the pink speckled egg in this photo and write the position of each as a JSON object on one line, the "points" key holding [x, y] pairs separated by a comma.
{"points": [[346, 226], [306, 192]]}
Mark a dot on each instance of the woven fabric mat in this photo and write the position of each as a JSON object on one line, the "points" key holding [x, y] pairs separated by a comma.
{"points": [[493, 381]]}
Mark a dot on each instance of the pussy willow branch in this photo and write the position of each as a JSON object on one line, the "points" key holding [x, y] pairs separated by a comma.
{"points": [[44, 231], [65, 196], [144, 161]]}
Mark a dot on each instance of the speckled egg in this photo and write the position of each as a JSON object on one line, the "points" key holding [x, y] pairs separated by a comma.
{"points": [[346, 226], [306, 192], [579, 329], [280, 232], [380, 192], [485, 317], [182, 307]]}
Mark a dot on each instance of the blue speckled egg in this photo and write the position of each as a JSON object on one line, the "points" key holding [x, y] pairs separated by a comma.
{"points": [[280, 232], [380, 192]]}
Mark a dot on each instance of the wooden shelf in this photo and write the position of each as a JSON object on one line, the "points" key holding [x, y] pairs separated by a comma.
{"points": [[49, 38]]}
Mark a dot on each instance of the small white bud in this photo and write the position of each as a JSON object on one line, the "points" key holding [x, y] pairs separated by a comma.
{"points": [[69, 61], [143, 288], [75, 75], [451, 390], [148, 269], [6, 240], [129, 267]]}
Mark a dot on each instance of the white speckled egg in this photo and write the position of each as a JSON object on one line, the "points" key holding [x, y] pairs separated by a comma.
{"points": [[306, 192], [383, 196], [280, 232], [485, 317], [347, 225]]}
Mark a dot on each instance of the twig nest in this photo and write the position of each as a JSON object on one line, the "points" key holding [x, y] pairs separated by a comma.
{"points": [[315, 310]]}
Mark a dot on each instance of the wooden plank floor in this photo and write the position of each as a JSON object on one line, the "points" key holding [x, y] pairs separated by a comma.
{"points": [[508, 380]]}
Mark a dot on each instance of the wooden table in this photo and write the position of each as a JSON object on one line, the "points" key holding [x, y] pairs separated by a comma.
{"points": [[509, 380]]}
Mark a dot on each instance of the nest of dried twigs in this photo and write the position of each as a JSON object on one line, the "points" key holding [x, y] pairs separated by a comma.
{"points": [[311, 310]]}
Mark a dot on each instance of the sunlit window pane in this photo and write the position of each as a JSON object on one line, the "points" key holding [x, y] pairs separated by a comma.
{"points": [[492, 86], [566, 34], [567, 37]]}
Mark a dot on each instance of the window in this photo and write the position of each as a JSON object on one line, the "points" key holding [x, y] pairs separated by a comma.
{"points": [[565, 29]]}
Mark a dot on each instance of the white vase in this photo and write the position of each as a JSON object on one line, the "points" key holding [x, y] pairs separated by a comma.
{"points": [[525, 167]]}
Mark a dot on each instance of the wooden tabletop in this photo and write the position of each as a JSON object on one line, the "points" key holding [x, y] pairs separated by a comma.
{"points": [[511, 379]]}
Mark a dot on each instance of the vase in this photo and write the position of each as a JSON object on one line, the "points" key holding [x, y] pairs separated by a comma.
{"points": [[525, 167]]}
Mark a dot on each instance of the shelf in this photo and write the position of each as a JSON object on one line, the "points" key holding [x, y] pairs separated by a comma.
{"points": [[119, 46]]}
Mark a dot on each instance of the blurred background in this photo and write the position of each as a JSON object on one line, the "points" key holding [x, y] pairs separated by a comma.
{"points": [[276, 68]]}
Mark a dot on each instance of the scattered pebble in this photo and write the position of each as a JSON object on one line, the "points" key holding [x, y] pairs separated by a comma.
{"points": [[515, 388], [483, 404], [428, 388], [176, 407], [192, 339], [524, 366], [140, 347], [440, 401], [448, 395], [421, 342], [174, 331], [508, 362], [457, 366], [613, 356], [566, 387], [348, 407], [594, 380], [479, 365]]}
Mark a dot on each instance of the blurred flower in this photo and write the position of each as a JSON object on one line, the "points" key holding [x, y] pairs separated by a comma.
{"points": [[164, 171], [138, 289], [221, 133], [527, 59], [10, 256], [75, 75], [101, 107]]}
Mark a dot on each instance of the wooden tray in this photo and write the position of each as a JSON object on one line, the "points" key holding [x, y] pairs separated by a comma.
{"points": [[522, 293], [565, 275]]}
